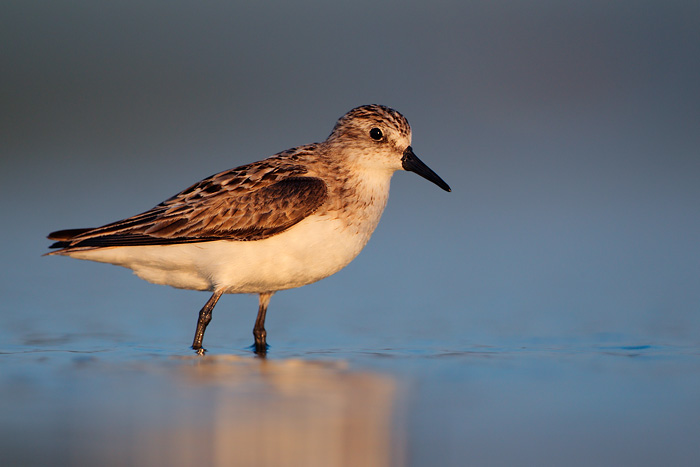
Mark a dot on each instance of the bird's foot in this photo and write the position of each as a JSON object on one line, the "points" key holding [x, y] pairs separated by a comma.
{"points": [[260, 348]]}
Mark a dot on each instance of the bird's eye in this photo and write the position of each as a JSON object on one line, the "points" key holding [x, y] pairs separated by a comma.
{"points": [[375, 134]]}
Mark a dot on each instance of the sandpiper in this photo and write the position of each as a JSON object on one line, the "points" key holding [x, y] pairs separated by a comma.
{"points": [[283, 222]]}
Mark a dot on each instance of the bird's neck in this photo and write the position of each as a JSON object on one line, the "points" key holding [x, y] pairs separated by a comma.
{"points": [[367, 193]]}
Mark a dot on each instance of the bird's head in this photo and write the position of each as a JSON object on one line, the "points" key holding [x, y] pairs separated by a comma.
{"points": [[376, 137]]}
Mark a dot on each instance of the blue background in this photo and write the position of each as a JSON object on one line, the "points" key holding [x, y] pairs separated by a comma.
{"points": [[568, 132]]}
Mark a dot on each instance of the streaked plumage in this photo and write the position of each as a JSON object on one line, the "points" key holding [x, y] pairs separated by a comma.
{"points": [[286, 221]]}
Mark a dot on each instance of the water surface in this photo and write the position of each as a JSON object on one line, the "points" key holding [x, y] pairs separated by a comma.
{"points": [[89, 400]]}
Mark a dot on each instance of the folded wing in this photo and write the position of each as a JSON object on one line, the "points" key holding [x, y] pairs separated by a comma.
{"points": [[248, 203]]}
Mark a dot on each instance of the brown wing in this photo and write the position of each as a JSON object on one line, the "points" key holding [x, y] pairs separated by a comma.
{"points": [[249, 203]]}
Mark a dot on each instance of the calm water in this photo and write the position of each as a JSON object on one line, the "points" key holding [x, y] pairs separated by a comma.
{"points": [[97, 400]]}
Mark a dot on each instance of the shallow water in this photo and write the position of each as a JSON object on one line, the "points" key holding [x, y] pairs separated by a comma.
{"points": [[93, 400]]}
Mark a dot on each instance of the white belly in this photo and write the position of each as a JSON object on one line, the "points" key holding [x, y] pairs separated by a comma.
{"points": [[311, 250]]}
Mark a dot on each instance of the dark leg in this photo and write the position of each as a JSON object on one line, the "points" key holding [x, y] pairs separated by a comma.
{"points": [[204, 318], [259, 330]]}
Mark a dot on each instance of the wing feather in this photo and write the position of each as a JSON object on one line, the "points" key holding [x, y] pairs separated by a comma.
{"points": [[248, 203]]}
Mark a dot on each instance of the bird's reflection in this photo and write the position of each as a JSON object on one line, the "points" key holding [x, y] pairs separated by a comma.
{"points": [[253, 411]]}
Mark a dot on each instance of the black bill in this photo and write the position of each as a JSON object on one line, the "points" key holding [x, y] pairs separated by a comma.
{"points": [[411, 163]]}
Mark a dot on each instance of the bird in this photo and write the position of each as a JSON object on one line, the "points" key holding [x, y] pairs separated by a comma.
{"points": [[283, 222]]}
